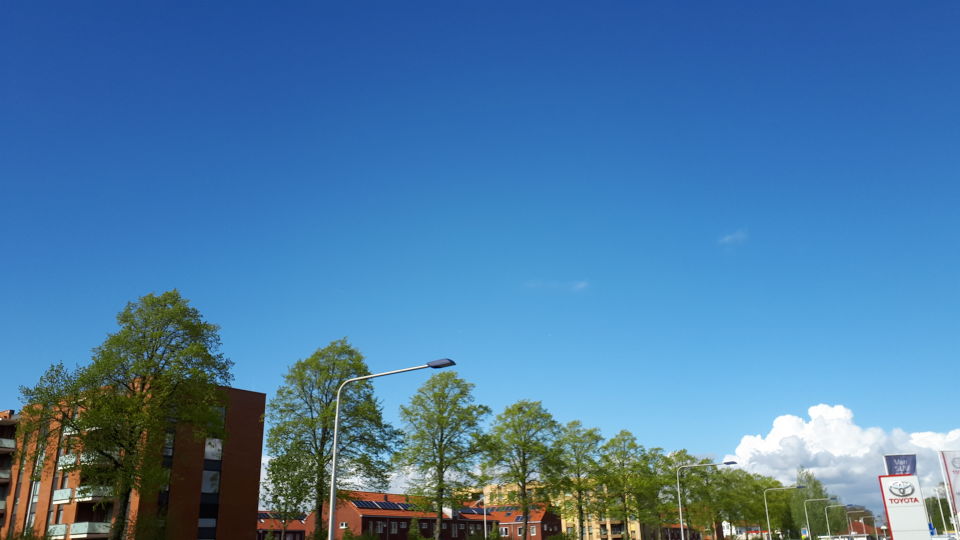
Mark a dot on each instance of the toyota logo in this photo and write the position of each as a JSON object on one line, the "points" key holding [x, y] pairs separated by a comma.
{"points": [[901, 489]]}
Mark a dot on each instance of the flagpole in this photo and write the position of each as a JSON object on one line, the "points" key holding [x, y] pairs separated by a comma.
{"points": [[948, 486]]}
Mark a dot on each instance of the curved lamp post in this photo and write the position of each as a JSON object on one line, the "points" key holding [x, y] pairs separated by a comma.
{"points": [[680, 497], [827, 517], [332, 503], [766, 509], [807, 514]]}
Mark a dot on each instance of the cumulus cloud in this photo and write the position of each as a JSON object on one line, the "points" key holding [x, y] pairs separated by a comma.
{"points": [[572, 286], [846, 457], [736, 237]]}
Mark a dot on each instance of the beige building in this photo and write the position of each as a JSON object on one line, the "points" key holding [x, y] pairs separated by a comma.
{"points": [[595, 527]]}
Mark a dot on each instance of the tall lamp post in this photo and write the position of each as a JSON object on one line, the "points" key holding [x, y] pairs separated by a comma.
{"points": [[766, 509], [332, 503], [850, 523], [680, 497], [827, 517], [807, 514]]}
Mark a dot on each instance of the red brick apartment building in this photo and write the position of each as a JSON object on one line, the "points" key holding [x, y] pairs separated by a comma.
{"points": [[541, 522], [387, 516], [212, 482]]}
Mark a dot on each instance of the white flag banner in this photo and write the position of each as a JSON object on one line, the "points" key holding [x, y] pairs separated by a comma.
{"points": [[951, 464], [903, 503]]}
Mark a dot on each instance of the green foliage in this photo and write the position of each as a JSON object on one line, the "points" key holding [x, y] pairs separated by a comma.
{"points": [[162, 366], [521, 446], [939, 511], [302, 414], [442, 425], [577, 450], [287, 488]]}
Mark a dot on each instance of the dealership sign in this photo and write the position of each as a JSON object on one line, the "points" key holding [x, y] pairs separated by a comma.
{"points": [[901, 463], [903, 503]]}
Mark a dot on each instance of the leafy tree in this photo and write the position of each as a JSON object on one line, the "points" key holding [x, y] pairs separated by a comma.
{"points": [[302, 413], [647, 487], [442, 440], [163, 365], [287, 489], [619, 463], [939, 511], [521, 445], [577, 450]]}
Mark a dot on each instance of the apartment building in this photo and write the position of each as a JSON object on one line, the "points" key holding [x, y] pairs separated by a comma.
{"points": [[211, 483], [386, 516], [8, 437]]}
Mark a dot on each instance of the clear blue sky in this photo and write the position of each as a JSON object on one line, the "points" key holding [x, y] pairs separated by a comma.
{"points": [[681, 219]]}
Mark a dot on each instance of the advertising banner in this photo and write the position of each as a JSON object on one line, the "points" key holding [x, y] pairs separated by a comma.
{"points": [[951, 464], [901, 463], [903, 504]]}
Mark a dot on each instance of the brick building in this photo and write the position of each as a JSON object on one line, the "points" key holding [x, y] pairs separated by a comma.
{"points": [[211, 482], [388, 516], [541, 522]]}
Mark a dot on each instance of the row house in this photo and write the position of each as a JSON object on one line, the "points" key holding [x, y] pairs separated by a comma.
{"points": [[540, 522]]}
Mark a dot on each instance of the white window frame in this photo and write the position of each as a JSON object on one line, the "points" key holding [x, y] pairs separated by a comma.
{"points": [[533, 530], [343, 524]]}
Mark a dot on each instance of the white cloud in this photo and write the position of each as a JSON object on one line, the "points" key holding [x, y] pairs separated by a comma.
{"points": [[736, 237], [572, 286], [846, 457]]}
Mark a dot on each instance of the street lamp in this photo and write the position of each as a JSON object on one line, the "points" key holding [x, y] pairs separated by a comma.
{"points": [[827, 517], [874, 518], [331, 511], [807, 514], [680, 497], [850, 523], [767, 510]]}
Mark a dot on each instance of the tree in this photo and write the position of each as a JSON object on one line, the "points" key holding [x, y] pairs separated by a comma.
{"points": [[302, 413], [442, 440], [287, 489], [161, 367], [577, 449], [520, 443], [619, 463]]}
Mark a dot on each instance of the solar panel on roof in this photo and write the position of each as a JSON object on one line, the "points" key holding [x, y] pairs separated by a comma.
{"points": [[365, 504], [405, 506], [387, 505]]}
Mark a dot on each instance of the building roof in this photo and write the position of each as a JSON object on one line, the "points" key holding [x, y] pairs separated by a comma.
{"points": [[371, 503], [267, 522], [508, 513]]}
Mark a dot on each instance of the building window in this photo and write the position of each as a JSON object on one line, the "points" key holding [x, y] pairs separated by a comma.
{"points": [[403, 524], [381, 526], [343, 524], [520, 532], [393, 527], [533, 530], [211, 482], [213, 449], [504, 531]]}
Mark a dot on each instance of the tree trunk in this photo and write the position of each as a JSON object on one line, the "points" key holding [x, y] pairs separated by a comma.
{"points": [[119, 528], [580, 514], [718, 530]]}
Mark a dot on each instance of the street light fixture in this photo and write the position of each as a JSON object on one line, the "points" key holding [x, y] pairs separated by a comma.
{"points": [[807, 514], [827, 517], [332, 503], [767, 510], [680, 497], [850, 523]]}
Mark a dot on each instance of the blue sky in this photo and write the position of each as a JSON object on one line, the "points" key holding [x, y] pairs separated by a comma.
{"points": [[681, 219]]}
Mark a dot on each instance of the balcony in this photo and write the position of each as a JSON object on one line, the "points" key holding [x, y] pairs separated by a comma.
{"points": [[58, 530], [4, 475], [90, 529], [66, 460], [7, 446], [62, 496], [94, 493], [3, 505]]}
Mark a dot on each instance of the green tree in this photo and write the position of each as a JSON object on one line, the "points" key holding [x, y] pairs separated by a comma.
{"points": [[161, 367], [442, 427], [302, 413], [577, 450], [521, 446], [287, 488], [619, 466]]}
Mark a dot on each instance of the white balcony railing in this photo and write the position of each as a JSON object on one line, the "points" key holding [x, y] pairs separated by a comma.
{"points": [[7, 445], [62, 496], [58, 530], [89, 529], [4, 475], [89, 493]]}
